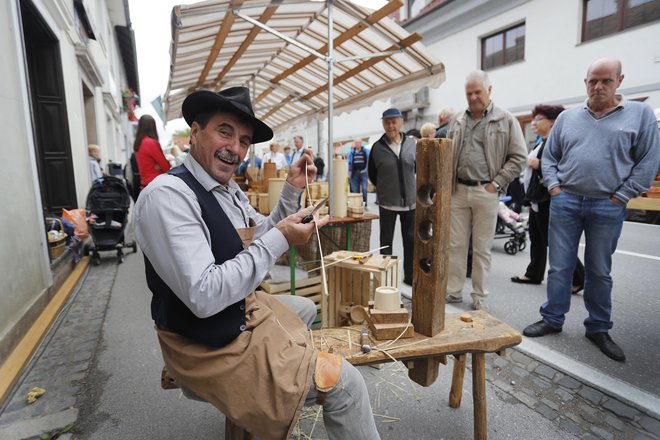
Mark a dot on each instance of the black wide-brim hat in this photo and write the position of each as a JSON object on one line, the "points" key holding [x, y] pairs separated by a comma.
{"points": [[232, 100]]}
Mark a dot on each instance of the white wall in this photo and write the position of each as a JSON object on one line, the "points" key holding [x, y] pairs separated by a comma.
{"points": [[24, 265], [553, 69]]}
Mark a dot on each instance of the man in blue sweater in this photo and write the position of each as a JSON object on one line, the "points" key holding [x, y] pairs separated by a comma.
{"points": [[598, 156]]}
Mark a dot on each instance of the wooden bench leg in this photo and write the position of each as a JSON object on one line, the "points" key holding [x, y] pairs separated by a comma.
{"points": [[456, 392], [479, 395], [235, 432]]}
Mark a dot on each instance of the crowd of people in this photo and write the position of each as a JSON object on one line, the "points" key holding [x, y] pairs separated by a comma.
{"points": [[218, 336]]}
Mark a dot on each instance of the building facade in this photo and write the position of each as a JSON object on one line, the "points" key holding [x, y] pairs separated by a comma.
{"points": [[68, 75], [534, 51]]}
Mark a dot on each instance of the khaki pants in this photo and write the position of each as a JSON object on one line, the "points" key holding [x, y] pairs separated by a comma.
{"points": [[473, 210]]}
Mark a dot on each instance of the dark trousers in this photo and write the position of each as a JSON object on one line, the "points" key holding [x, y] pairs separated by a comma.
{"points": [[538, 248], [387, 224]]}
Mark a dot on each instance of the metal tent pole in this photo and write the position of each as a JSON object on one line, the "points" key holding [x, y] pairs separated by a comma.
{"points": [[330, 165]]}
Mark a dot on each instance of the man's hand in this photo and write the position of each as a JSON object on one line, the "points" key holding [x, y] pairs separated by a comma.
{"points": [[297, 233], [296, 176], [534, 163], [617, 201], [491, 188], [554, 191]]}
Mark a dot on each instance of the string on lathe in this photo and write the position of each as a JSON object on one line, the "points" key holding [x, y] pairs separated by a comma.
{"points": [[324, 280]]}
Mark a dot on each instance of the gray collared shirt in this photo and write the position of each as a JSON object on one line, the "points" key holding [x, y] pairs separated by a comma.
{"points": [[472, 164], [172, 235]]}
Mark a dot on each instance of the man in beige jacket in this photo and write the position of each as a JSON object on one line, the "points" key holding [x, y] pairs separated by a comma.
{"points": [[489, 152]]}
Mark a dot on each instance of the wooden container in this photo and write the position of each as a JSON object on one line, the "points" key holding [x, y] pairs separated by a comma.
{"points": [[356, 212], [262, 203], [274, 190], [56, 248], [354, 282], [355, 200], [252, 198]]}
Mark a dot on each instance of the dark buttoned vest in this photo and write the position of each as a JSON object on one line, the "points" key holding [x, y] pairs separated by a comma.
{"points": [[168, 311]]}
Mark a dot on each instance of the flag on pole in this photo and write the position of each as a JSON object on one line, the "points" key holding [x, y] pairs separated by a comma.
{"points": [[157, 104]]}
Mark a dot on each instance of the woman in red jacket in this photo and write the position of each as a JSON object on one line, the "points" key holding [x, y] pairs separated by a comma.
{"points": [[150, 158]]}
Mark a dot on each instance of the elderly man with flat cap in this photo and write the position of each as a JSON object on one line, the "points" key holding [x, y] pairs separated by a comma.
{"points": [[206, 250], [391, 168]]}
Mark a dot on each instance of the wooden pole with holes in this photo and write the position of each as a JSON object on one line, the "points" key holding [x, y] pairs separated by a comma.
{"points": [[431, 255]]}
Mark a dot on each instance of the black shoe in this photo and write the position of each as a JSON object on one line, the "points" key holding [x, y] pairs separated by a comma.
{"points": [[521, 280], [540, 328], [407, 282], [607, 345]]}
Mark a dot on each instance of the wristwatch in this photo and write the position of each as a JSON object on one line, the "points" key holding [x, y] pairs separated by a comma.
{"points": [[497, 186]]}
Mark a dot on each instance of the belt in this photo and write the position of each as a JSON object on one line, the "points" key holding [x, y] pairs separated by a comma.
{"points": [[473, 182]]}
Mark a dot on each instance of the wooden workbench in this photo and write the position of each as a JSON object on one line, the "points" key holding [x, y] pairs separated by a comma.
{"points": [[485, 334]]}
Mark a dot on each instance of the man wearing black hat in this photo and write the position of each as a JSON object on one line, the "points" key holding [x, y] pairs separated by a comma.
{"points": [[392, 171], [206, 250]]}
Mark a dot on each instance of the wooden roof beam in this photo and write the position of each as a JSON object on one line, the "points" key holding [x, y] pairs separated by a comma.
{"points": [[227, 23], [375, 17], [265, 16], [406, 42]]}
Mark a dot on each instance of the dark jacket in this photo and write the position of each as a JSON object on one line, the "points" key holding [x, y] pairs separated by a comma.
{"points": [[441, 132], [394, 177]]}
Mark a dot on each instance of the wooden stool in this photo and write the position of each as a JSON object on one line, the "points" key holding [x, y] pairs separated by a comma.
{"points": [[232, 431], [483, 334]]}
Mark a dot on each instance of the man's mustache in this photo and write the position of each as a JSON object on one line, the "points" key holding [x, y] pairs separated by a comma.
{"points": [[225, 156]]}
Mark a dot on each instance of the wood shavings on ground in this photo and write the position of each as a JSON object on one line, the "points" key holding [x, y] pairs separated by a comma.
{"points": [[34, 394]]}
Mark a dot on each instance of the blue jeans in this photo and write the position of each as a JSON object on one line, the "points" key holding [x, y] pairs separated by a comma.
{"points": [[601, 220], [359, 179]]}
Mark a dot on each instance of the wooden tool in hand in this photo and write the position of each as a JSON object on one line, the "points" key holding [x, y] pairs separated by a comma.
{"points": [[309, 217]]}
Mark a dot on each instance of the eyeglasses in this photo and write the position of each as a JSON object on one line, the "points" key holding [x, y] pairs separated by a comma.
{"points": [[538, 118]]}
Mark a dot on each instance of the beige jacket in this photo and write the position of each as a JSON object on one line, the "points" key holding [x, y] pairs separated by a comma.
{"points": [[506, 152]]}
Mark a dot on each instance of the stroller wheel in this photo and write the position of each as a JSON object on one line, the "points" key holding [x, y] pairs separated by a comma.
{"points": [[96, 259], [134, 247], [120, 257], [510, 247], [522, 244]]}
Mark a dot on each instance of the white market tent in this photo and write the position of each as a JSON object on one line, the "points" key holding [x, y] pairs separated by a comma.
{"points": [[302, 60]]}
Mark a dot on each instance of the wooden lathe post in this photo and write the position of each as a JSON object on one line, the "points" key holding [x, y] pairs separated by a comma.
{"points": [[431, 255]]}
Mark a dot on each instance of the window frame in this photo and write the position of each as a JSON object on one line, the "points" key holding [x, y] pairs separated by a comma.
{"points": [[622, 9], [503, 34]]}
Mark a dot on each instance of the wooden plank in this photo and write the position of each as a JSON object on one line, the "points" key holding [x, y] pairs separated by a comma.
{"points": [[265, 16], [388, 316], [281, 287], [20, 355], [220, 37], [645, 203], [484, 334], [349, 33], [383, 332], [456, 392], [432, 227], [406, 42]]}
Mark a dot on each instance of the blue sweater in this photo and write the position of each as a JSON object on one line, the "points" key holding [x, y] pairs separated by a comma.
{"points": [[616, 155]]}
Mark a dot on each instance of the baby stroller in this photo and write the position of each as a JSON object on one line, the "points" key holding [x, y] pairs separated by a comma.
{"points": [[510, 225], [107, 206]]}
